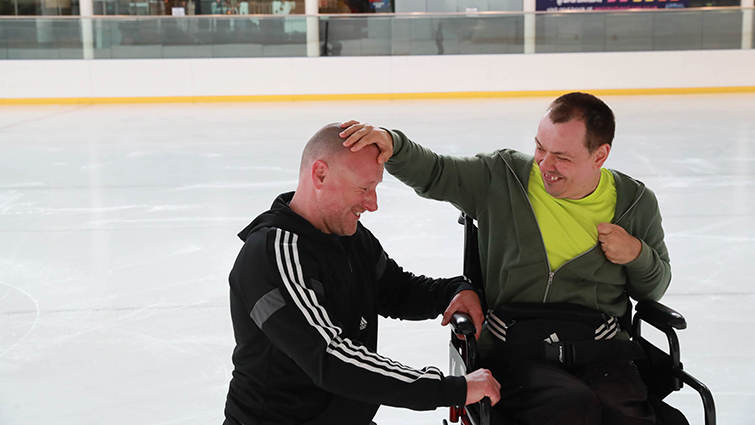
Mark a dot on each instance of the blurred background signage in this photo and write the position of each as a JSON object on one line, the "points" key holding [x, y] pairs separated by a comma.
{"points": [[556, 5]]}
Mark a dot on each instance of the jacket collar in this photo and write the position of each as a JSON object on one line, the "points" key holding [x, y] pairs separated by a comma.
{"points": [[628, 189], [281, 215]]}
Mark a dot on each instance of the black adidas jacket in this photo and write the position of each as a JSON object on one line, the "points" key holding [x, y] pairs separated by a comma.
{"points": [[304, 306]]}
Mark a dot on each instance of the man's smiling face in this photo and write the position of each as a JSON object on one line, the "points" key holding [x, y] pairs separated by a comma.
{"points": [[349, 190], [567, 167]]}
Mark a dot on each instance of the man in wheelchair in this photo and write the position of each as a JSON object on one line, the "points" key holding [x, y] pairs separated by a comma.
{"points": [[562, 243]]}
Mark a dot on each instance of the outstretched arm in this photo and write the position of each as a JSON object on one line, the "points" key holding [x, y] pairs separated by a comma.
{"points": [[463, 181]]}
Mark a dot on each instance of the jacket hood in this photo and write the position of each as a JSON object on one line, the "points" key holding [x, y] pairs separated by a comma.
{"points": [[629, 190], [279, 215]]}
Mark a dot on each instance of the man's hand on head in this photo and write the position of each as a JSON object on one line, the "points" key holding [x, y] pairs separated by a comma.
{"points": [[359, 134], [619, 246]]}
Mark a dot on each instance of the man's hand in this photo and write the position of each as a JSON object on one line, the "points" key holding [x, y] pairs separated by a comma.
{"points": [[359, 135], [619, 246], [480, 384], [468, 302]]}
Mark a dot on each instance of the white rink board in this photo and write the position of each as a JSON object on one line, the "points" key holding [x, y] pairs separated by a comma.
{"points": [[155, 78]]}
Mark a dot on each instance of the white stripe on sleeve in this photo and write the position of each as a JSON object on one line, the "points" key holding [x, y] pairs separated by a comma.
{"points": [[289, 267]]}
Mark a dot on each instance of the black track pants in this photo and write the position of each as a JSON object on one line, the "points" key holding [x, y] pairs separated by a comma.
{"points": [[539, 393]]}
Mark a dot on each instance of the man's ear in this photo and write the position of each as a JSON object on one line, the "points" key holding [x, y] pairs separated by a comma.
{"points": [[601, 154], [320, 171]]}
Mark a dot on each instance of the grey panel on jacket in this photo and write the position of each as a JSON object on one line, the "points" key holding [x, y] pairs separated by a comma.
{"points": [[266, 306]]}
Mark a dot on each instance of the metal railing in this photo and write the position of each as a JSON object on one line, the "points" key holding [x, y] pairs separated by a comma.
{"points": [[375, 35]]}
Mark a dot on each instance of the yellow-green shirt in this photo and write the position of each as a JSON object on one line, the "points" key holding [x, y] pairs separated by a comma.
{"points": [[569, 226]]}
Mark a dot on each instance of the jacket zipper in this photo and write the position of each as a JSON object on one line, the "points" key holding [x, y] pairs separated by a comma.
{"points": [[348, 259], [551, 274], [539, 231]]}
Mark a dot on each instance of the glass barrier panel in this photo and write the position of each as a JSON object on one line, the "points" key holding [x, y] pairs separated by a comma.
{"points": [[41, 38], [722, 30], [357, 36], [638, 31], [125, 37], [422, 35], [205, 37]]}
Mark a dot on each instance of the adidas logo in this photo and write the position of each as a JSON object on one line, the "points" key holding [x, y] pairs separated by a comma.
{"points": [[362, 324]]}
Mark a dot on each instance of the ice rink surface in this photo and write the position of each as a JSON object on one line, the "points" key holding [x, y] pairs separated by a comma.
{"points": [[119, 227]]}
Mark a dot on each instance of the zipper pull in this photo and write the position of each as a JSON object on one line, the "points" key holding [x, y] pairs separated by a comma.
{"points": [[548, 286]]}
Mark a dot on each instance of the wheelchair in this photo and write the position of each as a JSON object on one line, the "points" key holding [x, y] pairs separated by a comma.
{"points": [[662, 372]]}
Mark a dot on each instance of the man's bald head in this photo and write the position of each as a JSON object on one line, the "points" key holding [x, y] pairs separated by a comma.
{"points": [[326, 145], [336, 185]]}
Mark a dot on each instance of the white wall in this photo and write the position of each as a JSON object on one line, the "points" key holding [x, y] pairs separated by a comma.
{"points": [[151, 78]]}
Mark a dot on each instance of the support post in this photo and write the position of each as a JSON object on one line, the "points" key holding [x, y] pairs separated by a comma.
{"points": [[529, 7], [747, 21], [313, 27], [86, 11]]}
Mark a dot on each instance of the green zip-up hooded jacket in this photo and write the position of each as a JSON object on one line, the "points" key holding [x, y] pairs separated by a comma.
{"points": [[492, 188]]}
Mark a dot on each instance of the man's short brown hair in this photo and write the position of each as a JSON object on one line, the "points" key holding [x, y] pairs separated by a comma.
{"points": [[597, 116]]}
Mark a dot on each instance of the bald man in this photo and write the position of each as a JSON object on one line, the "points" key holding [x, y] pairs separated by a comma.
{"points": [[306, 290]]}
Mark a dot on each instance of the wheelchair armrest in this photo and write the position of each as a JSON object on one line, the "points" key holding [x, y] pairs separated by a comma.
{"points": [[462, 324], [660, 316]]}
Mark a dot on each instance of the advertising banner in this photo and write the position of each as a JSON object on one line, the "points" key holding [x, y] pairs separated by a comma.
{"points": [[557, 5]]}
